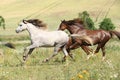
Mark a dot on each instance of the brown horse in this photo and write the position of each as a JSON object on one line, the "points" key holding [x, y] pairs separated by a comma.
{"points": [[72, 43], [100, 37]]}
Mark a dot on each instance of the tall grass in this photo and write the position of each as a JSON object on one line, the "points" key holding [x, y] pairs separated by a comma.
{"points": [[80, 69]]}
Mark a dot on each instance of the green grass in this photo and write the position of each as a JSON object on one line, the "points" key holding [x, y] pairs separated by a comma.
{"points": [[94, 69]]}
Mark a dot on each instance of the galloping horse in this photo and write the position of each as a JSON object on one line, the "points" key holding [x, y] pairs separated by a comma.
{"points": [[100, 37], [73, 44], [42, 38]]}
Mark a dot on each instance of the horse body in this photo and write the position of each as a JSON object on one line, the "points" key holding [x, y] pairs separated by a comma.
{"points": [[97, 36], [49, 39], [100, 37], [73, 44], [42, 38]]}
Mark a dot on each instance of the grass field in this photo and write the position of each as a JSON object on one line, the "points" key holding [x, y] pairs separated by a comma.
{"points": [[52, 12]]}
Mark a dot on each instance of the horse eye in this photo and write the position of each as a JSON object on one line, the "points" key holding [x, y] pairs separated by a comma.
{"points": [[20, 25]]}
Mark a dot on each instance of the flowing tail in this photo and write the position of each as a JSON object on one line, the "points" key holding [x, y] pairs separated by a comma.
{"points": [[84, 38], [115, 33]]}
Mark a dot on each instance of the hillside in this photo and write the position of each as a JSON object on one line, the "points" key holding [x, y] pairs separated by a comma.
{"points": [[52, 12]]}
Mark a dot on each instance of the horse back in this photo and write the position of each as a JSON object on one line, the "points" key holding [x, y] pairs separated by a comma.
{"points": [[96, 36]]}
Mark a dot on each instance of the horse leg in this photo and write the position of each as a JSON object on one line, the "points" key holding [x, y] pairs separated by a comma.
{"points": [[103, 51], [87, 50], [27, 51], [71, 55], [73, 45], [56, 50], [65, 53], [97, 49], [70, 46], [68, 50]]}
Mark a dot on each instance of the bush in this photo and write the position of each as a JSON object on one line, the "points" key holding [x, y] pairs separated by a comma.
{"points": [[87, 21], [107, 24]]}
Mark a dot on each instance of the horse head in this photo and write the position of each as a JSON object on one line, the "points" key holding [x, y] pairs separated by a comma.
{"points": [[22, 26], [63, 25], [34, 22]]}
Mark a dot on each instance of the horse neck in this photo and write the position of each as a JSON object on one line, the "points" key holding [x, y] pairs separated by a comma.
{"points": [[73, 29], [33, 30]]}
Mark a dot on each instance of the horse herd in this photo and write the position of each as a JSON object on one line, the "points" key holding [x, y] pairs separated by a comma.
{"points": [[60, 40]]}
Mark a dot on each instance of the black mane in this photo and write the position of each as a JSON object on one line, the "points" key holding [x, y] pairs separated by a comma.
{"points": [[37, 22], [77, 22], [74, 21]]}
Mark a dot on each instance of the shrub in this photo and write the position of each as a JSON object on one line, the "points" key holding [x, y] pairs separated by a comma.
{"points": [[87, 21], [107, 24]]}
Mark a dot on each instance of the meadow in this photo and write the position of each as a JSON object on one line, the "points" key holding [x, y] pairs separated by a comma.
{"points": [[52, 12]]}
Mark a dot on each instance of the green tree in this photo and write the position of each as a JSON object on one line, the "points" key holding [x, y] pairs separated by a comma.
{"points": [[87, 21], [2, 22], [107, 24]]}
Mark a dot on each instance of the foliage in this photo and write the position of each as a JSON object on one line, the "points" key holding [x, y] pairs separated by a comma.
{"points": [[2, 22], [107, 24], [3, 78], [89, 24]]}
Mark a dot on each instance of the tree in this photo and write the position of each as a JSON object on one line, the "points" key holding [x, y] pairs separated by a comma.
{"points": [[107, 24], [87, 21], [2, 22]]}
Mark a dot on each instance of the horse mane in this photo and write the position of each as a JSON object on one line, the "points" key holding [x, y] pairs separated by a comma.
{"points": [[77, 22], [38, 23]]}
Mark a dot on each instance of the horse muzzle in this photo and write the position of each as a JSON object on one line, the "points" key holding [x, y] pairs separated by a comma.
{"points": [[17, 31]]}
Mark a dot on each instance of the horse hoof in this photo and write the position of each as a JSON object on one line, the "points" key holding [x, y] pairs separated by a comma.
{"points": [[24, 58], [63, 60], [103, 59], [88, 57]]}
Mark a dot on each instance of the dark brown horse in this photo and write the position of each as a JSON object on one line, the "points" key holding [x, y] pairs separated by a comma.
{"points": [[73, 44], [100, 37]]}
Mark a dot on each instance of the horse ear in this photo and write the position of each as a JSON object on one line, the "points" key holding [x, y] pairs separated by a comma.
{"points": [[25, 21], [64, 20]]}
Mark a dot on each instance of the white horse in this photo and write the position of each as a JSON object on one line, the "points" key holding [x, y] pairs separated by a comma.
{"points": [[43, 38]]}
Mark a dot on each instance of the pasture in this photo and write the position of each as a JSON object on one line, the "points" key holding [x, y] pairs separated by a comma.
{"points": [[52, 12]]}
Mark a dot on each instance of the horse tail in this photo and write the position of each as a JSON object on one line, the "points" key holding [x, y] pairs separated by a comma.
{"points": [[115, 33], [84, 38]]}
